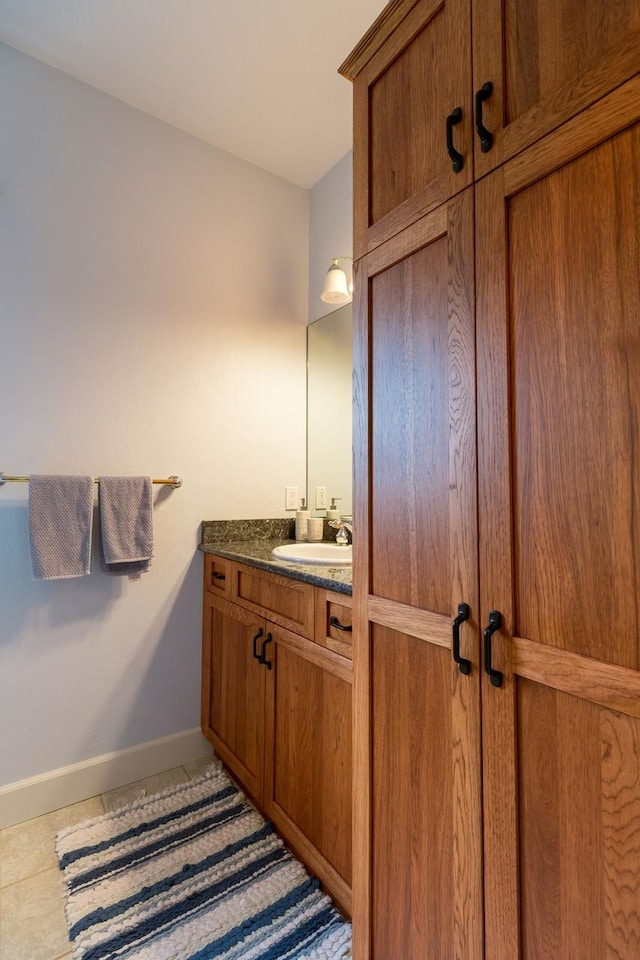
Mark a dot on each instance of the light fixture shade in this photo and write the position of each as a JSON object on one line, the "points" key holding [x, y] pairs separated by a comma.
{"points": [[336, 287]]}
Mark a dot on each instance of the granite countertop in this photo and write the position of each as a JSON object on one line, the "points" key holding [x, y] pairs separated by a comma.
{"points": [[251, 542]]}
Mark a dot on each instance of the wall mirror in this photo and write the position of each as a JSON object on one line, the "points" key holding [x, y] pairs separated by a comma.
{"points": [[329, 393]]}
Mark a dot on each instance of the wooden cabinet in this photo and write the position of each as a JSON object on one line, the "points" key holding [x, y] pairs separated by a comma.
{"points": [[496, 418], [308, 729], [418, 847], [233, 689], [547, 60], [525, 68], [413, 82], [277, 707], [559, 394]]}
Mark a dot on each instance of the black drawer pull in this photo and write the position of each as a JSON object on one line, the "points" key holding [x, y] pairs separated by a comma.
{"points": [[218, 576], [486, 137], [263, 656], [464, 612], [255, 645], [495, 623], [457, 160], [339, 626]]}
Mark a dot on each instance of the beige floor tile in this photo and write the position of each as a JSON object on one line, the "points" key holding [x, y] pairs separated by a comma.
{"points": [[32, 921], [28, 847], [196, 767], [143, 788]]}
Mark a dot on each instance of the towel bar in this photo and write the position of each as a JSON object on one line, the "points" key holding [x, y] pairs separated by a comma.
{"points": [[169, 481]]}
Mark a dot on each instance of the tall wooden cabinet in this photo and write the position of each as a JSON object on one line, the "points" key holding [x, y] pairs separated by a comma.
{"points": [[497, 484]]}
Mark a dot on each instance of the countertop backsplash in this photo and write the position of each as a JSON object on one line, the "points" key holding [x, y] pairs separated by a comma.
{"points": [[251, 542], [225, 531]]}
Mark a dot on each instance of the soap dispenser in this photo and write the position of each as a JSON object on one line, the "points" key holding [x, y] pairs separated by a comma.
{"points": [[333, 513], [302, 515]]}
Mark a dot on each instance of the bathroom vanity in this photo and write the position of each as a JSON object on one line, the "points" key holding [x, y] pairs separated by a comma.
{"points": [[277, 697]]}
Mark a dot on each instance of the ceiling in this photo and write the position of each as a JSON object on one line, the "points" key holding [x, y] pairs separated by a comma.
{"points": [[256, 78]]}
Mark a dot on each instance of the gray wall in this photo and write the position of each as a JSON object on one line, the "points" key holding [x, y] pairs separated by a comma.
{"points": [[331, 229], [153, 301]]}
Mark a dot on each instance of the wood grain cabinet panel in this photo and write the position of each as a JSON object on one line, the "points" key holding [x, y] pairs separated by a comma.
{"points": [[412, 83], [579, 826], [559, 394], [417, 852], [547, 60], [309, 738], [233, 690], [418, 808]]}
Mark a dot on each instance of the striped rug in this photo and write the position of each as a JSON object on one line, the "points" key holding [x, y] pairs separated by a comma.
{"points": [[193, 873]]}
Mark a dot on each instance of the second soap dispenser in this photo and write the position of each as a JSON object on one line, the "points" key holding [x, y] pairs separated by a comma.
{"points": [[333, 513], [302, 515]]}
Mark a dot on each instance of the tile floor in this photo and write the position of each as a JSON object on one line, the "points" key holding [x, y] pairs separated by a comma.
{"points": [[32, 921]]}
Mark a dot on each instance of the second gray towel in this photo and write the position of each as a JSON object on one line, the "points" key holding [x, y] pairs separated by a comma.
{"points": [[126, 520]]}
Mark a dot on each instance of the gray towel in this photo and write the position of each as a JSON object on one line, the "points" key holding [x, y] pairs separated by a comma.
{"points": [[60, 518], [126, 520]]}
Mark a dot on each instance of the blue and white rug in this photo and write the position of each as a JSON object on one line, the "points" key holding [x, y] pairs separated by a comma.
{"points": [[193, 873]]}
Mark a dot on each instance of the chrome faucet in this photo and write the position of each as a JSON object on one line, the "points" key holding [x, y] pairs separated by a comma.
{"points": [[342, 525]]}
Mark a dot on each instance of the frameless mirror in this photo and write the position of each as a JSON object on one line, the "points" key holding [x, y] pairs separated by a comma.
{"points": [[329, 391]]}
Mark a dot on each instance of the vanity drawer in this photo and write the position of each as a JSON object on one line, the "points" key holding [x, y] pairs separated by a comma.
{"points": [[334, 607], [286, 602], [217, 575]]}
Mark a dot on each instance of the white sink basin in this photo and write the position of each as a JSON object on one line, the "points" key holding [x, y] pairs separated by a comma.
{"points": [[330, 554]]}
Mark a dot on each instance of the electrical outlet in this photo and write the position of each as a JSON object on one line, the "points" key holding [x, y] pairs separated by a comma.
{"points": [[291, 498], [321, 498]]}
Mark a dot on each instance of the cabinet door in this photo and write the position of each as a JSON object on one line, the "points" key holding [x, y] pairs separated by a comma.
{"points": [[547, 60], [558, 240], [402, 99], [233, 684], [308, 775], [417, 868]]}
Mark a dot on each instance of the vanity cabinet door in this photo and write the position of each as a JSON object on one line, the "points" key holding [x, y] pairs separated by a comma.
{"points": [[308, 771], [233, 689]]}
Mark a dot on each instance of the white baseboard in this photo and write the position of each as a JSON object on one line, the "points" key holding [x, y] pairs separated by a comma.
{"points": [[58, 788]]}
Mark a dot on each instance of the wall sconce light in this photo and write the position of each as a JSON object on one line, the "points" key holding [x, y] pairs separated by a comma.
{"points": [[336, 286]]}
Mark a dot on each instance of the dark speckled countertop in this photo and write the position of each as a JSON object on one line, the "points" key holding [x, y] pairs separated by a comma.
{"points": [[251, 542]]}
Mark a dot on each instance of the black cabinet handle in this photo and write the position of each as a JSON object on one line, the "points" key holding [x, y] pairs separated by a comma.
{"points": [[263, 656], [486, 137], [255, 645], [495, 623], [218, 576], [464, 612], [457, 160], [339, 626]]}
